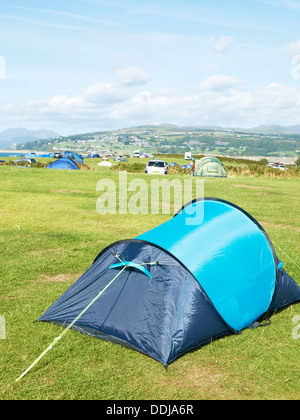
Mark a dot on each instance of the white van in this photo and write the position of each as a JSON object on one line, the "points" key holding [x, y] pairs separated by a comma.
{"points": [[188, 156], [137, 153], [156, 167]]}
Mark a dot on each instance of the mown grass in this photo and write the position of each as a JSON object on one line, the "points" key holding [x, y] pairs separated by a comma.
{"points": [[51, 233]]}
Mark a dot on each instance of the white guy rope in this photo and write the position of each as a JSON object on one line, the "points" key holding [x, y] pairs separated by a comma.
{"points": [[68, 327], [281, 250]]}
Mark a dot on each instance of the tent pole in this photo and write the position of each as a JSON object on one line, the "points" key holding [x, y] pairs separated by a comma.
{"points": [[68, 327]]}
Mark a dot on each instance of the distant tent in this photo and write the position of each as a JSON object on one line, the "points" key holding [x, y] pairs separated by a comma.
{"points": [[93, 156], [63, 163], [74, 156], [210, 167], [105, 163], [209, 271]]}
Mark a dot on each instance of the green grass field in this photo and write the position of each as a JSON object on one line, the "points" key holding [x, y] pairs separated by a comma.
{"points": [[51, 233]]}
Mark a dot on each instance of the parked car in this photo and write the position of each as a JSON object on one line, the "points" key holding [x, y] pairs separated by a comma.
{"points": [[279, 166], [26, 160], [156, 167]]}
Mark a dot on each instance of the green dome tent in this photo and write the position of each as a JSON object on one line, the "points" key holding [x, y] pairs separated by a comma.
{"points": [[210, 167]]}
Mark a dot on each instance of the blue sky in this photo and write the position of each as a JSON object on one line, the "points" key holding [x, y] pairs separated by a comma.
{"points": [[77, 66]]}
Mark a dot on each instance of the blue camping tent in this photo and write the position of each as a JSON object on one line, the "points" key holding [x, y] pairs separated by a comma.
{"points": [[74, 156], [63, 163], [208, 272], [93, 155]]}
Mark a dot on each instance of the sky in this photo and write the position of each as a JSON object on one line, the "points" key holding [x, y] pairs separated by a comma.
{"points": [[77, 66]]}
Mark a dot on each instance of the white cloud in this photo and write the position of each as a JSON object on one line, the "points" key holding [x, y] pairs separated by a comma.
{"points": [[104, 93], [293, 48], [97, 98], [229, 107], [222, 100], [220, 44], [132, 76], [219, 82], [280, 97]]}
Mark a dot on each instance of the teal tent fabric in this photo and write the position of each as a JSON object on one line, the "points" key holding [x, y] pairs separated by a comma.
{"points": [[227, 252]]}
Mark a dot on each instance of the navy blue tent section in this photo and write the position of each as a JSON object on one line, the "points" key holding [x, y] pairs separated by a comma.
{"points": [[63, 163], [208, 272], [93, 155], [74, 156]]}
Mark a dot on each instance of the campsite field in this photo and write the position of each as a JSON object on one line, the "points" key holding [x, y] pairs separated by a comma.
{"points": [[51, 233]]}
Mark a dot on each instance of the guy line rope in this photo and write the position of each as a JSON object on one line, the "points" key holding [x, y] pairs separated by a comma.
{"points": [[69, 326]]}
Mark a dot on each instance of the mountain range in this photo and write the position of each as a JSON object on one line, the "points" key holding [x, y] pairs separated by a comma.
{"points": [[22, 135]]}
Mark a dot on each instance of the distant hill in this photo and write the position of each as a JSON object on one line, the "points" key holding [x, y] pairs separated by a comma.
{"points": [[294, 128], [265, 140], [276, 129], [21, 135], [261, 129]]}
